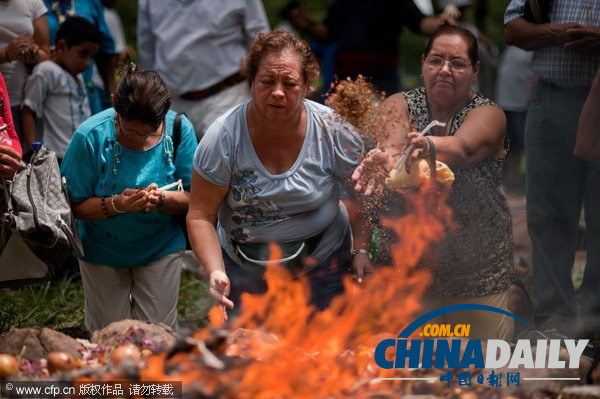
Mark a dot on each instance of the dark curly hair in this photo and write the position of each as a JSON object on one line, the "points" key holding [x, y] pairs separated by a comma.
{"points": [[277, 42], [141, 95]]}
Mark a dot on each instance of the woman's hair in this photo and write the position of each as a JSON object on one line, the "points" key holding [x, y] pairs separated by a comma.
{"points": [[468, 37], [277, 42], [141, 95]]}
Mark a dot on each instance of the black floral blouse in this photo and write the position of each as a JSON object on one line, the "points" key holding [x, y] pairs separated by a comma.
{"points": [[476, 259]]}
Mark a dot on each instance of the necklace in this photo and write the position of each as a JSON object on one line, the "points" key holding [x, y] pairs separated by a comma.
{"points": [[450, 120], [117, 147]]}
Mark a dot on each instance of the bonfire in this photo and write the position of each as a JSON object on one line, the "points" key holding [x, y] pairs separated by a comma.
{"points": [[282, 347]]}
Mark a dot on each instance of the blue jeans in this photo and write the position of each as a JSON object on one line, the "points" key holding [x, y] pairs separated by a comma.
{"points": [[558, 184], [325, 279]]}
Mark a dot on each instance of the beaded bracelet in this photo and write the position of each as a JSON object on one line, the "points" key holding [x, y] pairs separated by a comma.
{"points": [[103, 205], [112, 201], [161, 200]]}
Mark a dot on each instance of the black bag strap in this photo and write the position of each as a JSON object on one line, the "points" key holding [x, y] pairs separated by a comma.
{"points": [[177, 133]]}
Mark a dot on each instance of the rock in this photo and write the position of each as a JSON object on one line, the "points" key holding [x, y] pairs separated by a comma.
{"points": [[33, 344], [582, 392], [144, 334], [25, 341], [55, 341]]}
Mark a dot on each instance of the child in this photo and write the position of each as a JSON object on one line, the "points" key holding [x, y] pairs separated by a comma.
{"points": [[55, 90]]}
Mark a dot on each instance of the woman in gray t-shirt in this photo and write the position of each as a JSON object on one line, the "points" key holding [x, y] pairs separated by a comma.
{"points": [[268, 171]]}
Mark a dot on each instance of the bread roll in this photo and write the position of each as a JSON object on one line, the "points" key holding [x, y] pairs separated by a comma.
{"points": [[420, 173]]}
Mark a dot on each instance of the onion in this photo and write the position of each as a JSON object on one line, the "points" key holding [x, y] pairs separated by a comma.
{"points": [[60, 361], [8, 365], [127, 352]]}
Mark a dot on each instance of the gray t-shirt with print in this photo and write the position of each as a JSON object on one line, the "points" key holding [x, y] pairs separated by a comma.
{"points": [[295, 205]]}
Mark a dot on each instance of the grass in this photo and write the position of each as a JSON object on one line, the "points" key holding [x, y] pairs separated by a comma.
{"points": [[59, 305]]}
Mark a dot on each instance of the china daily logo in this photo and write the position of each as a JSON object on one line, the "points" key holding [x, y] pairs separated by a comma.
{"points": [[447, 352]]}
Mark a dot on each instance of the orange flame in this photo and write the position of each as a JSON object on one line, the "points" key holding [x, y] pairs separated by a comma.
{"points": [[330, 353], [295, 351]]}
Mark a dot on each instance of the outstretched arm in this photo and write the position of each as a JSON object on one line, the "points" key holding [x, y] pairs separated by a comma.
{"points": [[480, 136]]}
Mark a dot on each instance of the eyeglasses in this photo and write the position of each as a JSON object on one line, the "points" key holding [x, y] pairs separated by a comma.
{"points": [[456, 64], [149, 133]]}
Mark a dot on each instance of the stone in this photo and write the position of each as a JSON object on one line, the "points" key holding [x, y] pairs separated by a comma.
{"points": [[144, 334], [34, 344], [54, 341]]}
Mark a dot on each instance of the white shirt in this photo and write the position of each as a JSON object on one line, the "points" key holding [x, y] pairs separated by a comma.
{"points": [[17, 16], [115, 26], [194, 44], [514, 83], [54, 95]]}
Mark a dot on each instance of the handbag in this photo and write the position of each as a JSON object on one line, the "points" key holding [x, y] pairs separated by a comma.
{"points": [[36, 210]]}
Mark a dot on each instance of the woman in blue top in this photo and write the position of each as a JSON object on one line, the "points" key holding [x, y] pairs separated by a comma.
{"points": [[269, 171], [116, 166]]}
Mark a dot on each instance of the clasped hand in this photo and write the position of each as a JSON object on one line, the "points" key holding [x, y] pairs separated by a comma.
{"points": [[24, 49], [139, 199], [576, 37]]}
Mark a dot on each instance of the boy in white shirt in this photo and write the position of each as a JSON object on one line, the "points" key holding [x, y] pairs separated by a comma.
{"points": [[55, 91]]}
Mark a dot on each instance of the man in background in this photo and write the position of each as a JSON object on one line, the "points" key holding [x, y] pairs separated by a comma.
{"points": [[565, 39], [196, 47]]}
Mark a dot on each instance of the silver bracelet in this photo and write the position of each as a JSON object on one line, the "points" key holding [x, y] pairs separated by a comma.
{"points": [[360, 251], [112, 201]]}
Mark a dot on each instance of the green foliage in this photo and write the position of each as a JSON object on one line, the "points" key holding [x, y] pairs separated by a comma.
{"points": [[127, 10], [59, 305]]}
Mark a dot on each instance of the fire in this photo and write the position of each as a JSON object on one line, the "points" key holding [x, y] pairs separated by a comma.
{"points": [[282, 347], [329, 353]]}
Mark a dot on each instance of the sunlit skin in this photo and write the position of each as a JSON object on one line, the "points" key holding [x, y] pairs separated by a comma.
{"points": [[276, 115], [446, 88], [278, 89], [137, 135]]}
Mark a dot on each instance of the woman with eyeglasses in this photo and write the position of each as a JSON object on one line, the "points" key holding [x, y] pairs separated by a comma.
{"points": [[118, 166], [473, 263]]}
